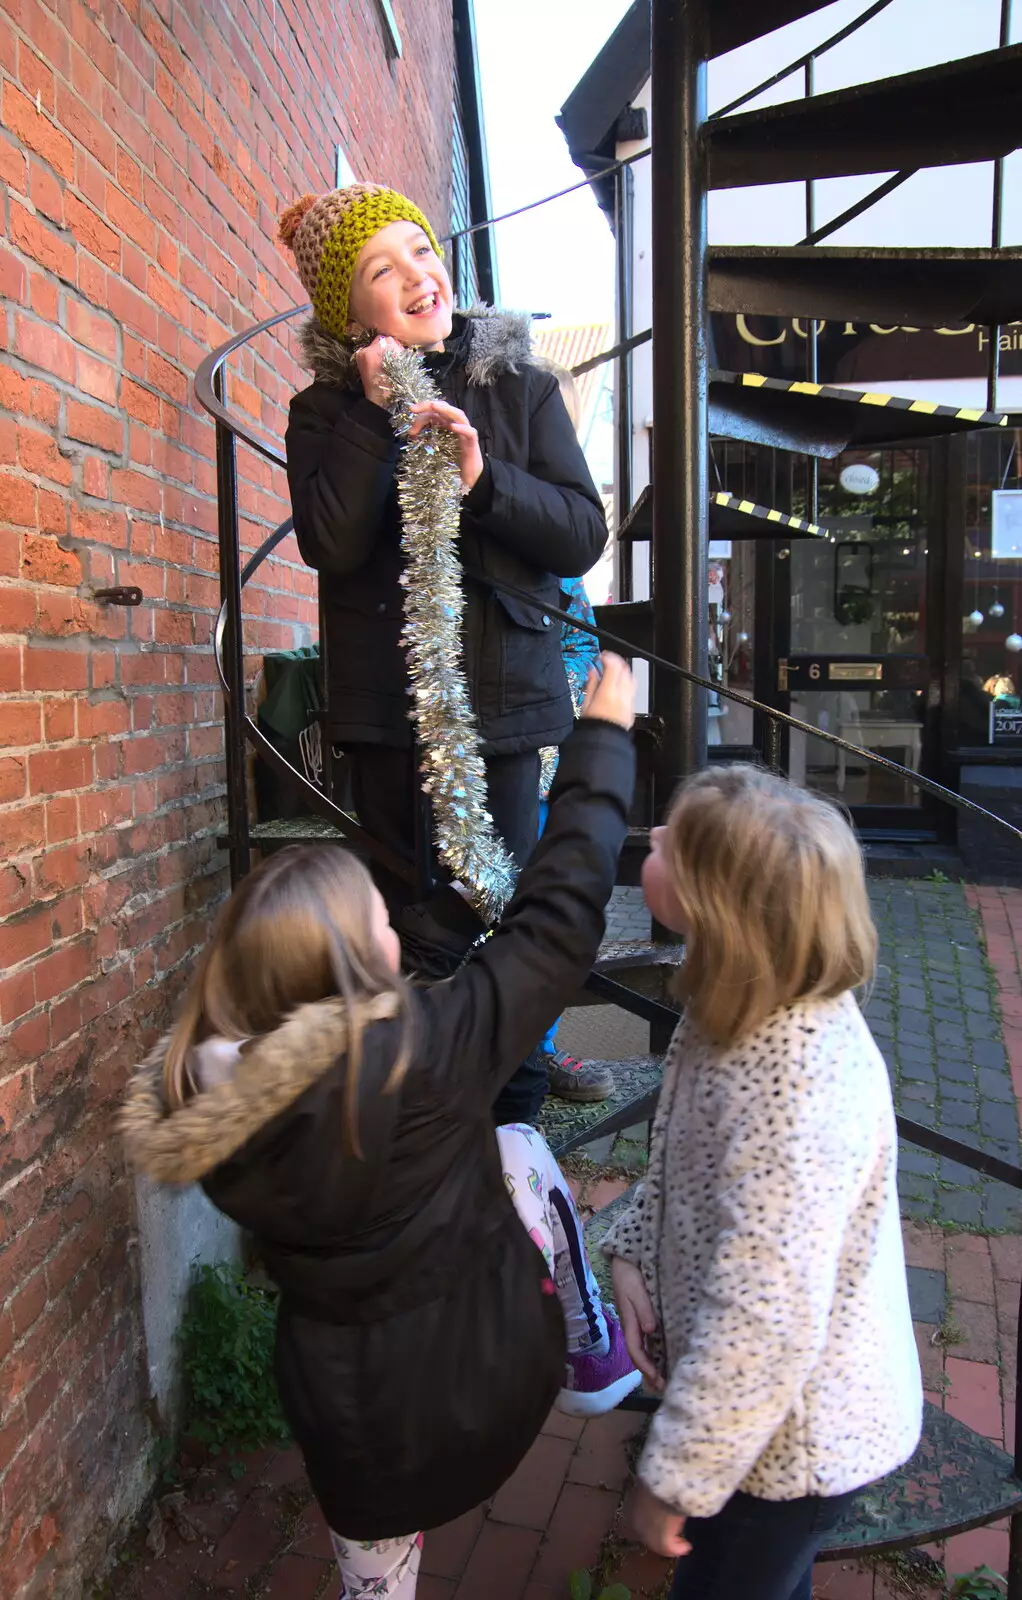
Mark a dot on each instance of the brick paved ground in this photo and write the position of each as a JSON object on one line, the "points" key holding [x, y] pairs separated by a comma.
{"points": [[260, 1536], [936, 1014]]}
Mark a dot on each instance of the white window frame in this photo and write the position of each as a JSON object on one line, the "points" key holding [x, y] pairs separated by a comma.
{"points": [[394, 44]]}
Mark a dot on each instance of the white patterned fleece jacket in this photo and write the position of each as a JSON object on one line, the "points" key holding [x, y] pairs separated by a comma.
{"points": [[768, 1234]]}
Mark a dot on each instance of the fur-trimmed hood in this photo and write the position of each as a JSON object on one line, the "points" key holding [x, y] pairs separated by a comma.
{"points": [[271, 1073], [498, 342]]}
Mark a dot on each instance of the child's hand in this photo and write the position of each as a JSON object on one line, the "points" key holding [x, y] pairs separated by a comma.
{"points": [[653, 1524], [611, 697], [637, 1317], [438, 414], [369, 362]]}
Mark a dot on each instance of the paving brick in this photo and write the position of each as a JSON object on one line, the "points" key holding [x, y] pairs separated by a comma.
{"points": [[1002, 1208], [931, 1357], [581, 1521], [978, 1326], [994, 1085], [446, 1550], [970, 1272], [997, 1120], [530, 1494], [924, 1245], [840, 1580], [430, 1588], [642, 1573], [927, 1293], [974, 1395], [981, 1547], [252, 1540], [956, 1116], [296, 1578], [1006, 1255], [563, 1427], [602, 1455], [962, 1205], [313, 1537], [500, 1564]]}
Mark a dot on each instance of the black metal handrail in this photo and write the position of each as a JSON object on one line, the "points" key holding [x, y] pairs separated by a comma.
{"points": [[803, 61], [644, 1006]]}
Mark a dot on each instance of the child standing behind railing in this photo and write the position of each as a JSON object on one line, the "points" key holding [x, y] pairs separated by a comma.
{"points": [[760, 1275]]}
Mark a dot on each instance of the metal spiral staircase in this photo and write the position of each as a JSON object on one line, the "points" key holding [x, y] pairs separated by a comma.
{"points": [[965, 111]]}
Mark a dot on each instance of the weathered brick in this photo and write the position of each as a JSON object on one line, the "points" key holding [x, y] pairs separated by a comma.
{"points": [[140, 195], [39, 453], [45, 347], [36, 130], [42, 242], [94, 426], [17, 500]]}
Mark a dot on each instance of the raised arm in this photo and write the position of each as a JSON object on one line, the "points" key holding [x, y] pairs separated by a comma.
{"points": [[341, 456], [550, 514], [492, 1012]]}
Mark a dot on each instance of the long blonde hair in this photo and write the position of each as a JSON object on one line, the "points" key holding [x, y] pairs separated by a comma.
{"points": [[296, 930], [772, 892], [567, 385]]}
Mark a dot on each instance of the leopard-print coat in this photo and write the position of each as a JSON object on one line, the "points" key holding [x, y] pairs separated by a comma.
{"points": [[768, 1235]]}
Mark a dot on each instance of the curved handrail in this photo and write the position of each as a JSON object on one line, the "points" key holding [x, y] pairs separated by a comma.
{"points": [[803, 61], [214, 363], [614, 641], [322, 805]]}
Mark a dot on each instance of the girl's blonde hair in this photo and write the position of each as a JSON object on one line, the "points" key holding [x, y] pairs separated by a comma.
{"points": [[567, 385], [296, 930], [772, 892]]}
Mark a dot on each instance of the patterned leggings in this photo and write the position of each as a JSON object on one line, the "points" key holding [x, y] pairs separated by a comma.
{"points": [[390, 1567]]}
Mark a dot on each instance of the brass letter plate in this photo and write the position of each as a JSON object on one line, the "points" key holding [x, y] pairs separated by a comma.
{"points": [[842, 671]]}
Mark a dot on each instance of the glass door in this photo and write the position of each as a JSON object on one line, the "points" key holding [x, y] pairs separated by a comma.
{"points": [[860, 658]]}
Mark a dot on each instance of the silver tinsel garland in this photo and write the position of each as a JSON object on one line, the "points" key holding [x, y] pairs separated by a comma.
{"points": [[453, 772]]}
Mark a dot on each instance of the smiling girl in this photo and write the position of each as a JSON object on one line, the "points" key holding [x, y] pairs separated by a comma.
{"points": [[531, 516]]}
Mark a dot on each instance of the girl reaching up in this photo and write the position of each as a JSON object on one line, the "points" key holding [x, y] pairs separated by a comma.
{"points": [[344, 1118]]}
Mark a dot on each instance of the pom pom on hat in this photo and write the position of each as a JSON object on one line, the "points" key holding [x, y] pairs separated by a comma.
{"points": [[325, 234], [292, 219]]}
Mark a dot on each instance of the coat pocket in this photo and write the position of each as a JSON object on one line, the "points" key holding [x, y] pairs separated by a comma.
{"points": [[531, 669]]}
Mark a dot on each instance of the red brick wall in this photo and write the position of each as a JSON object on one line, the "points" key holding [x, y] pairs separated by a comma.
{"points": [[145, 151]]}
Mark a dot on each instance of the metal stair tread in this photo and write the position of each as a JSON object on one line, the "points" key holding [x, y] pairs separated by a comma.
{"points": [[927, 287], [623, 955], [731, 517], [567, 1125], [822, 420], [290, 830], [960, 111], [955, 1479]]}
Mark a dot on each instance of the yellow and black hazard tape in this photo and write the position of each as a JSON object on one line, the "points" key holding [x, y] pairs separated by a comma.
{"points": [[890, 402], [731, 502]]}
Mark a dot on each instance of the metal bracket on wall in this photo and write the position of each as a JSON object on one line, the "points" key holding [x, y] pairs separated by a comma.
{"points": [[123, 595]]}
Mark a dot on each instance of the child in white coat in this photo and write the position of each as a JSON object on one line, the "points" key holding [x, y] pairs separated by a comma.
{"points": [[759, 1275]]}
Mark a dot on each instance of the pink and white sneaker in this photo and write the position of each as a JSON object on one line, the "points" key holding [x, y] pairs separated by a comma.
{"points": [[594, 1384]]}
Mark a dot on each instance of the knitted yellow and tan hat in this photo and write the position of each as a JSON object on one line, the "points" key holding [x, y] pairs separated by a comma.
{"points": [[325, 234]]}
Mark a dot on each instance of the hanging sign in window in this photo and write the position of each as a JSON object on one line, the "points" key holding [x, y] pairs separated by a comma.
{"points": [[1006, 524]]}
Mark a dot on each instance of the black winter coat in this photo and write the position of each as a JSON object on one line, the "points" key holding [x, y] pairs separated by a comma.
{"points": [[533, 518], [418, 1354]]}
